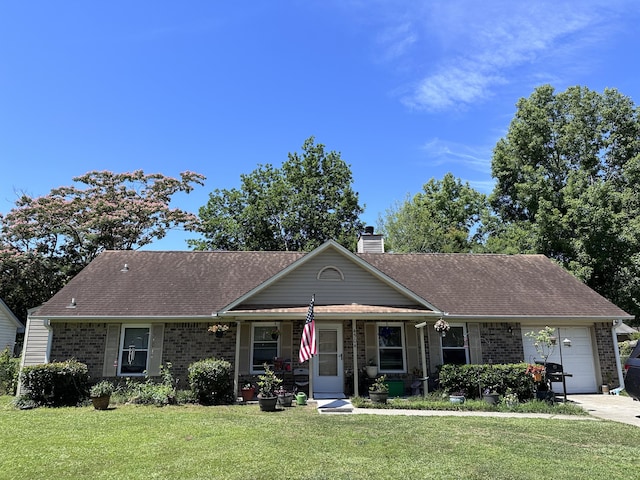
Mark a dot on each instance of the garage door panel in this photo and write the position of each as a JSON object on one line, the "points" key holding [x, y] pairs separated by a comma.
{"points": [[577, 360]]}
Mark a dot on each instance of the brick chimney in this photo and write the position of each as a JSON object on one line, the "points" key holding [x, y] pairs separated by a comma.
{"points": [[369, 242]]}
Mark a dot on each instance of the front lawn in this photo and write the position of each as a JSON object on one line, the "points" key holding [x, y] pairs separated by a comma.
{"points": [[240, 442]]}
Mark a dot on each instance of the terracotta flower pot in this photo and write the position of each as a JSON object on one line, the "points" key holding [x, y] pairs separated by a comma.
{"points": [[247, 394]]}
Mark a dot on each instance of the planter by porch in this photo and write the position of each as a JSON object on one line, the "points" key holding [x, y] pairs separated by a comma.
{"points": [[301, 398], [372, 371], [379, 397], [267, 404], [101, 403], [285, 400], [491, 398], [247, 393]]}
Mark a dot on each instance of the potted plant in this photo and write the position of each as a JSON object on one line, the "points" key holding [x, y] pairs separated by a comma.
{"points": [[267, 386], [442, 327], [275, 333], [372, 368], [379, 391], [101, 394], [247, 391], [490, 396], [457, 397], [219, 329], [284, 397]]}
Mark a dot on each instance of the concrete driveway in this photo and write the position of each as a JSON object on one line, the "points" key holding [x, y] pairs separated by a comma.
{"points": [[617, 408]]}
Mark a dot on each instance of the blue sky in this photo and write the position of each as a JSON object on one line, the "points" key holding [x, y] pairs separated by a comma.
{"points": [[404, 90]]}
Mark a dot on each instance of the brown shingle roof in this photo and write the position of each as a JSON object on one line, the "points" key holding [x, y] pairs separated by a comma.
{"points": [[191, 284], [467, 284]]}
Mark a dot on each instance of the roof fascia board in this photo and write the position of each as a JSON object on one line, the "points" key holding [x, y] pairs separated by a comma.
{"points": [[343, 251], [112, 318], [537, 318]]}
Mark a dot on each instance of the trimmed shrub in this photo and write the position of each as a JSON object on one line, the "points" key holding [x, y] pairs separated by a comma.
{"points": [[475, 379], [211, 381], [56, 384], [9, 370]]}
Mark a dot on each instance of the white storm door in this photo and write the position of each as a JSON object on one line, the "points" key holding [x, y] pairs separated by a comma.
{"points": [[328, 371]]}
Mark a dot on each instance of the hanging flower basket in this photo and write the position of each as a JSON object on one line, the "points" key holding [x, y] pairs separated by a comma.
{"points": [[442, 327], [219, 329]]}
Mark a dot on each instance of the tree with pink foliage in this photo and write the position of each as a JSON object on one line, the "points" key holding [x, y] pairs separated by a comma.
{"points": [[45, 241]]}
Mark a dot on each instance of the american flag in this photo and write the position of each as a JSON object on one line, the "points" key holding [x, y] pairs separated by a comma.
{"points": [[308, 341]]}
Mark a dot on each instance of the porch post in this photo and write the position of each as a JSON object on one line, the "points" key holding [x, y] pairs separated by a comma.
{"points": [[236, 368], [354, 341], [423, 354]]}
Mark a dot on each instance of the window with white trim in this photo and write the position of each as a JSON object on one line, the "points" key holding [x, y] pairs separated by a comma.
{"points": [[265, 345], [391, 348], [134, 350], [455, 346]]}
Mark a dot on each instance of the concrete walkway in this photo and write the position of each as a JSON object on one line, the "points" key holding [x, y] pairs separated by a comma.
{"points": [[606, 407], [617, 408]]}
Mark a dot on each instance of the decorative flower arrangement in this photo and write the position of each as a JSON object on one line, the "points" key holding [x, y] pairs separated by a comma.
{"points": [[442, 326], [247, 386], [536, 371], [221, 327]]}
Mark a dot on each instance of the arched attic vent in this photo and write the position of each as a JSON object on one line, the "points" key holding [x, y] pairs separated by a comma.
{"points": [[330, 274]]}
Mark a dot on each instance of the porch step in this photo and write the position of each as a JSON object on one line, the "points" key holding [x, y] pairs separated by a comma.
{"points": [[334, 405]]}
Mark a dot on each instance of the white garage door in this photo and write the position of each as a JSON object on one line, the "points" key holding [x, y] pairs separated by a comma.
{"points": [[577, 359]]}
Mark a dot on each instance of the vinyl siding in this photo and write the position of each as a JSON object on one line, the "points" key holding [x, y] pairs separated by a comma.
{"points": [[8, 332], [359, 286], [37, 341]]}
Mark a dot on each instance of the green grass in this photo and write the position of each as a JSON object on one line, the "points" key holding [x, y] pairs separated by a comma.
{"points": [[436, 402], [240, 442]]}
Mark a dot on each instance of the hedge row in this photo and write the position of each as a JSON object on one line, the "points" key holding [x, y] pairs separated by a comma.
{"points": [[67, 384], [473, 380]]}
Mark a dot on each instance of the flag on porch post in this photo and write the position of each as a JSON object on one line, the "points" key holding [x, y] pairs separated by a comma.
{"points": [[308, 341]]}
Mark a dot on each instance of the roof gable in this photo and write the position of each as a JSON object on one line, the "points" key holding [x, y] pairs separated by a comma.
{"points": [[335, 276]]}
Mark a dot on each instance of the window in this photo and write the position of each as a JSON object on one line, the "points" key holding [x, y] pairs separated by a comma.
{"points": [[264, 345], [391, 348], [134, 350], [455, 346]]}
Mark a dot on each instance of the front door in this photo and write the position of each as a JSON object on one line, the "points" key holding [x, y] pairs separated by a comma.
{"points": [[328, 371]]}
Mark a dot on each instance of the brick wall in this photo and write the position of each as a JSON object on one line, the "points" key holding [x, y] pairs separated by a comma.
{"points": [[185, 343], [606, 354], [499, 345], [82, 341]]}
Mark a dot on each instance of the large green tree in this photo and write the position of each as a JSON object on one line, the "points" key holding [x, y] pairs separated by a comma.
{"points": [[568, 174], [297, 207], [443, 218], [44, 241]]}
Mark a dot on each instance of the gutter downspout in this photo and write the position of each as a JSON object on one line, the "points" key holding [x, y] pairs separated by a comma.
{"points": [[616, 351]]}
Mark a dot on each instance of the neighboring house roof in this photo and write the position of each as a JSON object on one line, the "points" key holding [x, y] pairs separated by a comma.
{"points": [[624, 329], [9, 315], [197, 284]]}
